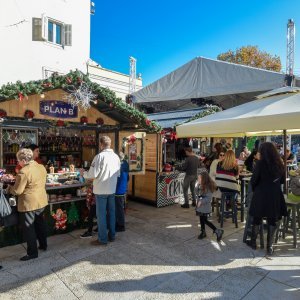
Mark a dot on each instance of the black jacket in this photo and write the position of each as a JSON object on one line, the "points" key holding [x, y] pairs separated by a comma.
{"points": [[268, 200]]}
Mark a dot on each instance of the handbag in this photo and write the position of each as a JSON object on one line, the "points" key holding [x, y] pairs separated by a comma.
{"points": [[5, 209]]}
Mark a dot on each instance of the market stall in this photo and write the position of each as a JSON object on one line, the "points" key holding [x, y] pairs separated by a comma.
{"points": [[65, 116]]}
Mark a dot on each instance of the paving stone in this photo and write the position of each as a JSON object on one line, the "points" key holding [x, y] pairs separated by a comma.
{"points": [[270, 289]]}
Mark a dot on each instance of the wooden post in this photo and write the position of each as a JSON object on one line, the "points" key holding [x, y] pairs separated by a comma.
{"points": [[285, 190]]}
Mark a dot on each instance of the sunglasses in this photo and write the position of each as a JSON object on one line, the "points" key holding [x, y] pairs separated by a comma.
{"points": [[221, 154]]}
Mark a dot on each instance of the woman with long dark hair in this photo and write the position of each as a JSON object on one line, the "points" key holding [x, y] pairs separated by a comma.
{"points": [[268, 200]]}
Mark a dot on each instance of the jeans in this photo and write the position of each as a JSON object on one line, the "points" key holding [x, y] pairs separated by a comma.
{"points": [[105, 208], [203, 221], [34, 227], [120, 216], [189, 182]]}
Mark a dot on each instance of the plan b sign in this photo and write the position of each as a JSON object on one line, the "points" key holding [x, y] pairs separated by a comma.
{"points": [[58, 109]]}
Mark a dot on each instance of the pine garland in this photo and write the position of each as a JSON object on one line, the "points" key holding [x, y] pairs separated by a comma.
{"points": [[20, 90]]}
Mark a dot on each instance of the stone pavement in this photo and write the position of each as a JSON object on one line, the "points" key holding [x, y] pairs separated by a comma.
{"points": [[158, 257]]}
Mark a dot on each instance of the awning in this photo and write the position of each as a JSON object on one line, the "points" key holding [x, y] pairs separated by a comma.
{"points": [[269, 115]]}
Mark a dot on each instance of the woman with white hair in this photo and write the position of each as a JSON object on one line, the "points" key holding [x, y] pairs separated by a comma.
{"points": [[32, 200]]}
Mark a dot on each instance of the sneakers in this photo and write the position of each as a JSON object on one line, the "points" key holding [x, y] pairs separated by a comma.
{"points": [[185, 206], [202, 235], [85, 235], [219, 234]]}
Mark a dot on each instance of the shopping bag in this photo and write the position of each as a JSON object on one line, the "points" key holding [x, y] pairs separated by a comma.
{"points": [[5, 209]]}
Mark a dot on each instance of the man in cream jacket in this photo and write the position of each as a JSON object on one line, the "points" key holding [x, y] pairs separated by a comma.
{"points": [[105, 170]]}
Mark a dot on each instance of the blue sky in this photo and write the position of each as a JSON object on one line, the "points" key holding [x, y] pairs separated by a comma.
{"points": [[164, 34]]}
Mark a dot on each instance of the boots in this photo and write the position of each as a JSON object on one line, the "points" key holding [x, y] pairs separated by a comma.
{"points": [[270, 239], [202, 235], [252, 243], [219, 234]]}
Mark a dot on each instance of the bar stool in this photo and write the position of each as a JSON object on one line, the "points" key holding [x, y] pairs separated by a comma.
{"points": [[230, 197], [293, 205]]}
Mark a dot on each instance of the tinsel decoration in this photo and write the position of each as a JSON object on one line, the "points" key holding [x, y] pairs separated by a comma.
{"points": [[81, 96], [73, 216]]}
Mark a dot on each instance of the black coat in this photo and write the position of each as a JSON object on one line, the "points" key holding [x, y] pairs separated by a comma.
{"points": [[268, 200]]}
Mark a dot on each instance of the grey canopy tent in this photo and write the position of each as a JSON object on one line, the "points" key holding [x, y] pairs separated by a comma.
{"points": [[210, 79]]}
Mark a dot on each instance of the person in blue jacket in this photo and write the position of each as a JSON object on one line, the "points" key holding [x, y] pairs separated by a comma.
{"points": [[120, 195]]}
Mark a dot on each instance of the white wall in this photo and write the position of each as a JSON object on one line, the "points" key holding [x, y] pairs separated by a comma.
{"points": [[24, 59], [115, 81]]}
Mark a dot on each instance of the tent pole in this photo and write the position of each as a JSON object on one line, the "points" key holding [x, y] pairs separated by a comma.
{"points": [[285, 190]]}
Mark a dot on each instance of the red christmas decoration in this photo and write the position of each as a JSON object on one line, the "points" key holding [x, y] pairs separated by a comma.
{"points": [[100, 121], [60, 218], [132, 139], [47, 84], [173, 136], [148, 122], [168, 180], [79, 80], [3, 113], [60, 123], [83, 120], [69, 80], [21, 96], [29, 114]]}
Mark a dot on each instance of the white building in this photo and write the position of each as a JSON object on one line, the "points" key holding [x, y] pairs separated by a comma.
{"points": [[39, 37], [115, 81]]}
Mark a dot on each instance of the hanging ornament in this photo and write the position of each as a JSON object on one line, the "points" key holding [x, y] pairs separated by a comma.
{"points": [[81, 96], [131, 139], [73, 216], [60, 218], [148, 122], [29, 114]]}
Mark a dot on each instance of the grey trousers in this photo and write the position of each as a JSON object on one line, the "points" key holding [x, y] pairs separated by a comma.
{"points": [[189, 182]]}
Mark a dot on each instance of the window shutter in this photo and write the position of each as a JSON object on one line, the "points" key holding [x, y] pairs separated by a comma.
{"points": [[44, 28], [68, 35], [37, 29]]}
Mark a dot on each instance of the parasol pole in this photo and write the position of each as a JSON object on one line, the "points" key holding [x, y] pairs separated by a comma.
{"points": [[284, 161]]}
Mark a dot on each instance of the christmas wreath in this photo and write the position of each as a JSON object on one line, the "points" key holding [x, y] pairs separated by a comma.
{"points": [[29, 114], [3, 113], [100, 121], [83, 120]]}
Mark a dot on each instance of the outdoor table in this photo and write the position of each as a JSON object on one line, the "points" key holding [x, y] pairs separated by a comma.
{"points": [[243, 177]]}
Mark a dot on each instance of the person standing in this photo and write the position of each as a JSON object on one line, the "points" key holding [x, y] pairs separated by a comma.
{"points": [[244, 154], [121, 191], [190, 168], [206, 188], [268, 200], [32, 200], [36, 156], [105, 170]]}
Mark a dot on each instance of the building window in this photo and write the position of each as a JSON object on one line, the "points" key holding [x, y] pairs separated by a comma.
{"points": [[45, 29], [54, 32]]}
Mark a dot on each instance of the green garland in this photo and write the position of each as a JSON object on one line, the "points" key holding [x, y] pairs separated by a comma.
{"points": [[20, 90], [207, 110]]}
